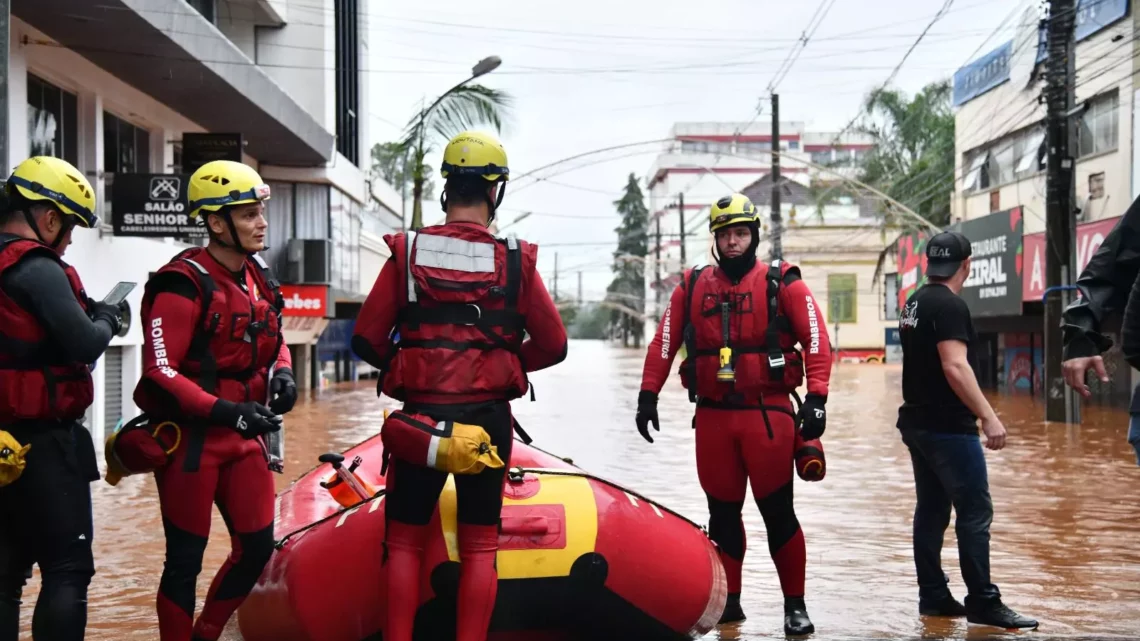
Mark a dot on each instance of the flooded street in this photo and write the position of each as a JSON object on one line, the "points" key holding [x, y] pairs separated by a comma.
{"points": [[1064, 544]]}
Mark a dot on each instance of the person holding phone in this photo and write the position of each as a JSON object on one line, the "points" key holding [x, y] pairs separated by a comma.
{"points": [[50, 331], [212, 318]]}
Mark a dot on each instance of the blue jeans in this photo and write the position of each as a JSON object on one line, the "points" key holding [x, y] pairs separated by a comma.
{"points": [[950, 469], [1134, 435]]}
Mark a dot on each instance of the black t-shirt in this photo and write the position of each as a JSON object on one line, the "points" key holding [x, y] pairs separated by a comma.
{"points": [[933, 314]]}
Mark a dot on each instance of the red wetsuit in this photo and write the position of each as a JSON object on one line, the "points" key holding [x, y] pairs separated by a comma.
{"points": [[213, 464], [747, 437], [460, 300]]}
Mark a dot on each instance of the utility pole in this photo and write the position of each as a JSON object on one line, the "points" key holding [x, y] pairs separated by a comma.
{"points": [[556, 277], [681, 211], [1060, 402], [777, 246], [657, 265]]}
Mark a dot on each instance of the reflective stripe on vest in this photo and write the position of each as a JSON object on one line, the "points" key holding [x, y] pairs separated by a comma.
{"points": [[455, 254]]}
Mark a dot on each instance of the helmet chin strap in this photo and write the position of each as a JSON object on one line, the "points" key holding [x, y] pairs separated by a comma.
{"points": [[236, 245], [64, 227]]}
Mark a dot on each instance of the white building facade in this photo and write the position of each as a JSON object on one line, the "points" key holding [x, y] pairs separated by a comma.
{"points": [[1001, 161], [114, 86]]}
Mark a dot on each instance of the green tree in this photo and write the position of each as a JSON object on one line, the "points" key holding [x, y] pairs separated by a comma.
{"points": [[567, 309], [464, 107], [628, 286], [591, 323], [396, 168], [912, 159]]}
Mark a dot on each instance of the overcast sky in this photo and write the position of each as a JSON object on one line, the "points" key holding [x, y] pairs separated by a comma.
{"points": [[592, 74]]}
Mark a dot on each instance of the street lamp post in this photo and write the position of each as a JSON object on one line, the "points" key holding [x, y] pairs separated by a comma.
{"points": [[481, 68]]}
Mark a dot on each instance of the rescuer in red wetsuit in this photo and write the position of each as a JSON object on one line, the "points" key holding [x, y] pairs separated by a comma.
{"points": [[50, 330], [459, 300], [212, 322], [742, 382]]}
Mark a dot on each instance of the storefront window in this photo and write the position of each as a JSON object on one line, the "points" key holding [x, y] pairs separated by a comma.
{"points": [[841, 298], [126, 150], [891, 296], [312, 210], [52, 117], [346, 224]]}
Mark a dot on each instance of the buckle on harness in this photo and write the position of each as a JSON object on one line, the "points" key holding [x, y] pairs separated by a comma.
{"points": [[478, 314], [776, 361]]}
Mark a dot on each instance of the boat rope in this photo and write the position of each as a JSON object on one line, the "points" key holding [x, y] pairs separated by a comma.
{"points": [[280, 544], [515, 475]]}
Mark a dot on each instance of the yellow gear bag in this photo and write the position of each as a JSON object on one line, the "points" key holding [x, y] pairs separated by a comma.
{"points": [[12, 455], [447, 446]]}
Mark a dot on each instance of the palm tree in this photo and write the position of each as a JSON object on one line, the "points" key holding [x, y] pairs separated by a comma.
{"points": [[462, 107]]}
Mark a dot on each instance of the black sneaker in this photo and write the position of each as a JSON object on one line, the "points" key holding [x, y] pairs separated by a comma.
{"points": [[796, 621], [732, 610], [947, 606], [995, 613]]}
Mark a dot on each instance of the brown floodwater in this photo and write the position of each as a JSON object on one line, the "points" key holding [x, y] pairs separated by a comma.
{"points": [[1065, 537]]}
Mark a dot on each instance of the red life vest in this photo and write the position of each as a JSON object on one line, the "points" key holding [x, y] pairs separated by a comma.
{"points": [[239, 330], [764, 356], [34, 384], [459, 327]]}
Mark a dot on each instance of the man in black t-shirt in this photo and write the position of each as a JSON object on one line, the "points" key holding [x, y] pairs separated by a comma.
{"points": [[938, 421]]}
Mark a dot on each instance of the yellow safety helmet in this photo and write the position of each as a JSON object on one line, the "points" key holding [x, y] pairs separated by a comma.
{"points": [[732, 210], [57, 181], [220, 183], [474, 153]]}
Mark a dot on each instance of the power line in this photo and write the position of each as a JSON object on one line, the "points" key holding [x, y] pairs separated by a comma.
{"points": [[801, 44]]}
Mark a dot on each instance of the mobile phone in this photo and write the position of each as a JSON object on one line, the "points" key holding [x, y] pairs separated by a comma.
{"points": [[119, 293]]}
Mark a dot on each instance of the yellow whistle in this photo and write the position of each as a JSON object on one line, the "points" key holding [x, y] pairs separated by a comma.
{"points": [[725, 374]]}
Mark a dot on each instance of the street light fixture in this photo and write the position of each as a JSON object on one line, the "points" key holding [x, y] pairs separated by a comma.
{"points": [[524, 215], [486, 66], [481, 68]]}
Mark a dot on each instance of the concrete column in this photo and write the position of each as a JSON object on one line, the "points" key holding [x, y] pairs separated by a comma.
{"points": [[132, 372], [90, 123], [17, 99], [301, 367]]}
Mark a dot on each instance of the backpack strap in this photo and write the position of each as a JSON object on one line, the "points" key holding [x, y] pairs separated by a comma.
{"points": [[200, 344], [776, 322], [208, 366], [689, 333]]}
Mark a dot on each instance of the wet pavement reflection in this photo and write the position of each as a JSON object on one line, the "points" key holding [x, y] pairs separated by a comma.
{"points": [[1064, 538]]}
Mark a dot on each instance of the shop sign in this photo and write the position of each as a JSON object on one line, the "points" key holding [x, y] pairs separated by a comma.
{"points": [[893, 353], [983, 74], [152, 206], [1090, 236], [994, 285], [201, 148], [306, 300]]}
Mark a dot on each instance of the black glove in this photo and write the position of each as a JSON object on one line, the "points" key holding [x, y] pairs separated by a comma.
{"points": [[248, 419], [813, 417], [113, 314], [282, 391], [646, 413]]}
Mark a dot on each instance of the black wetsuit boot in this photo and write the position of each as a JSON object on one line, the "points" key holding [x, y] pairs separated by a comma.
{"points": [[796, 621], [732, 610]]}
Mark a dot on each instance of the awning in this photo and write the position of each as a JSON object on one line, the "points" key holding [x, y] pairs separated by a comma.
{"points": [[303, 330], [167, 50]]}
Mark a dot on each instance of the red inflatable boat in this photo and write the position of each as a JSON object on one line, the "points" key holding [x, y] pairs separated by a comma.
{"points": [[579, 558]]}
